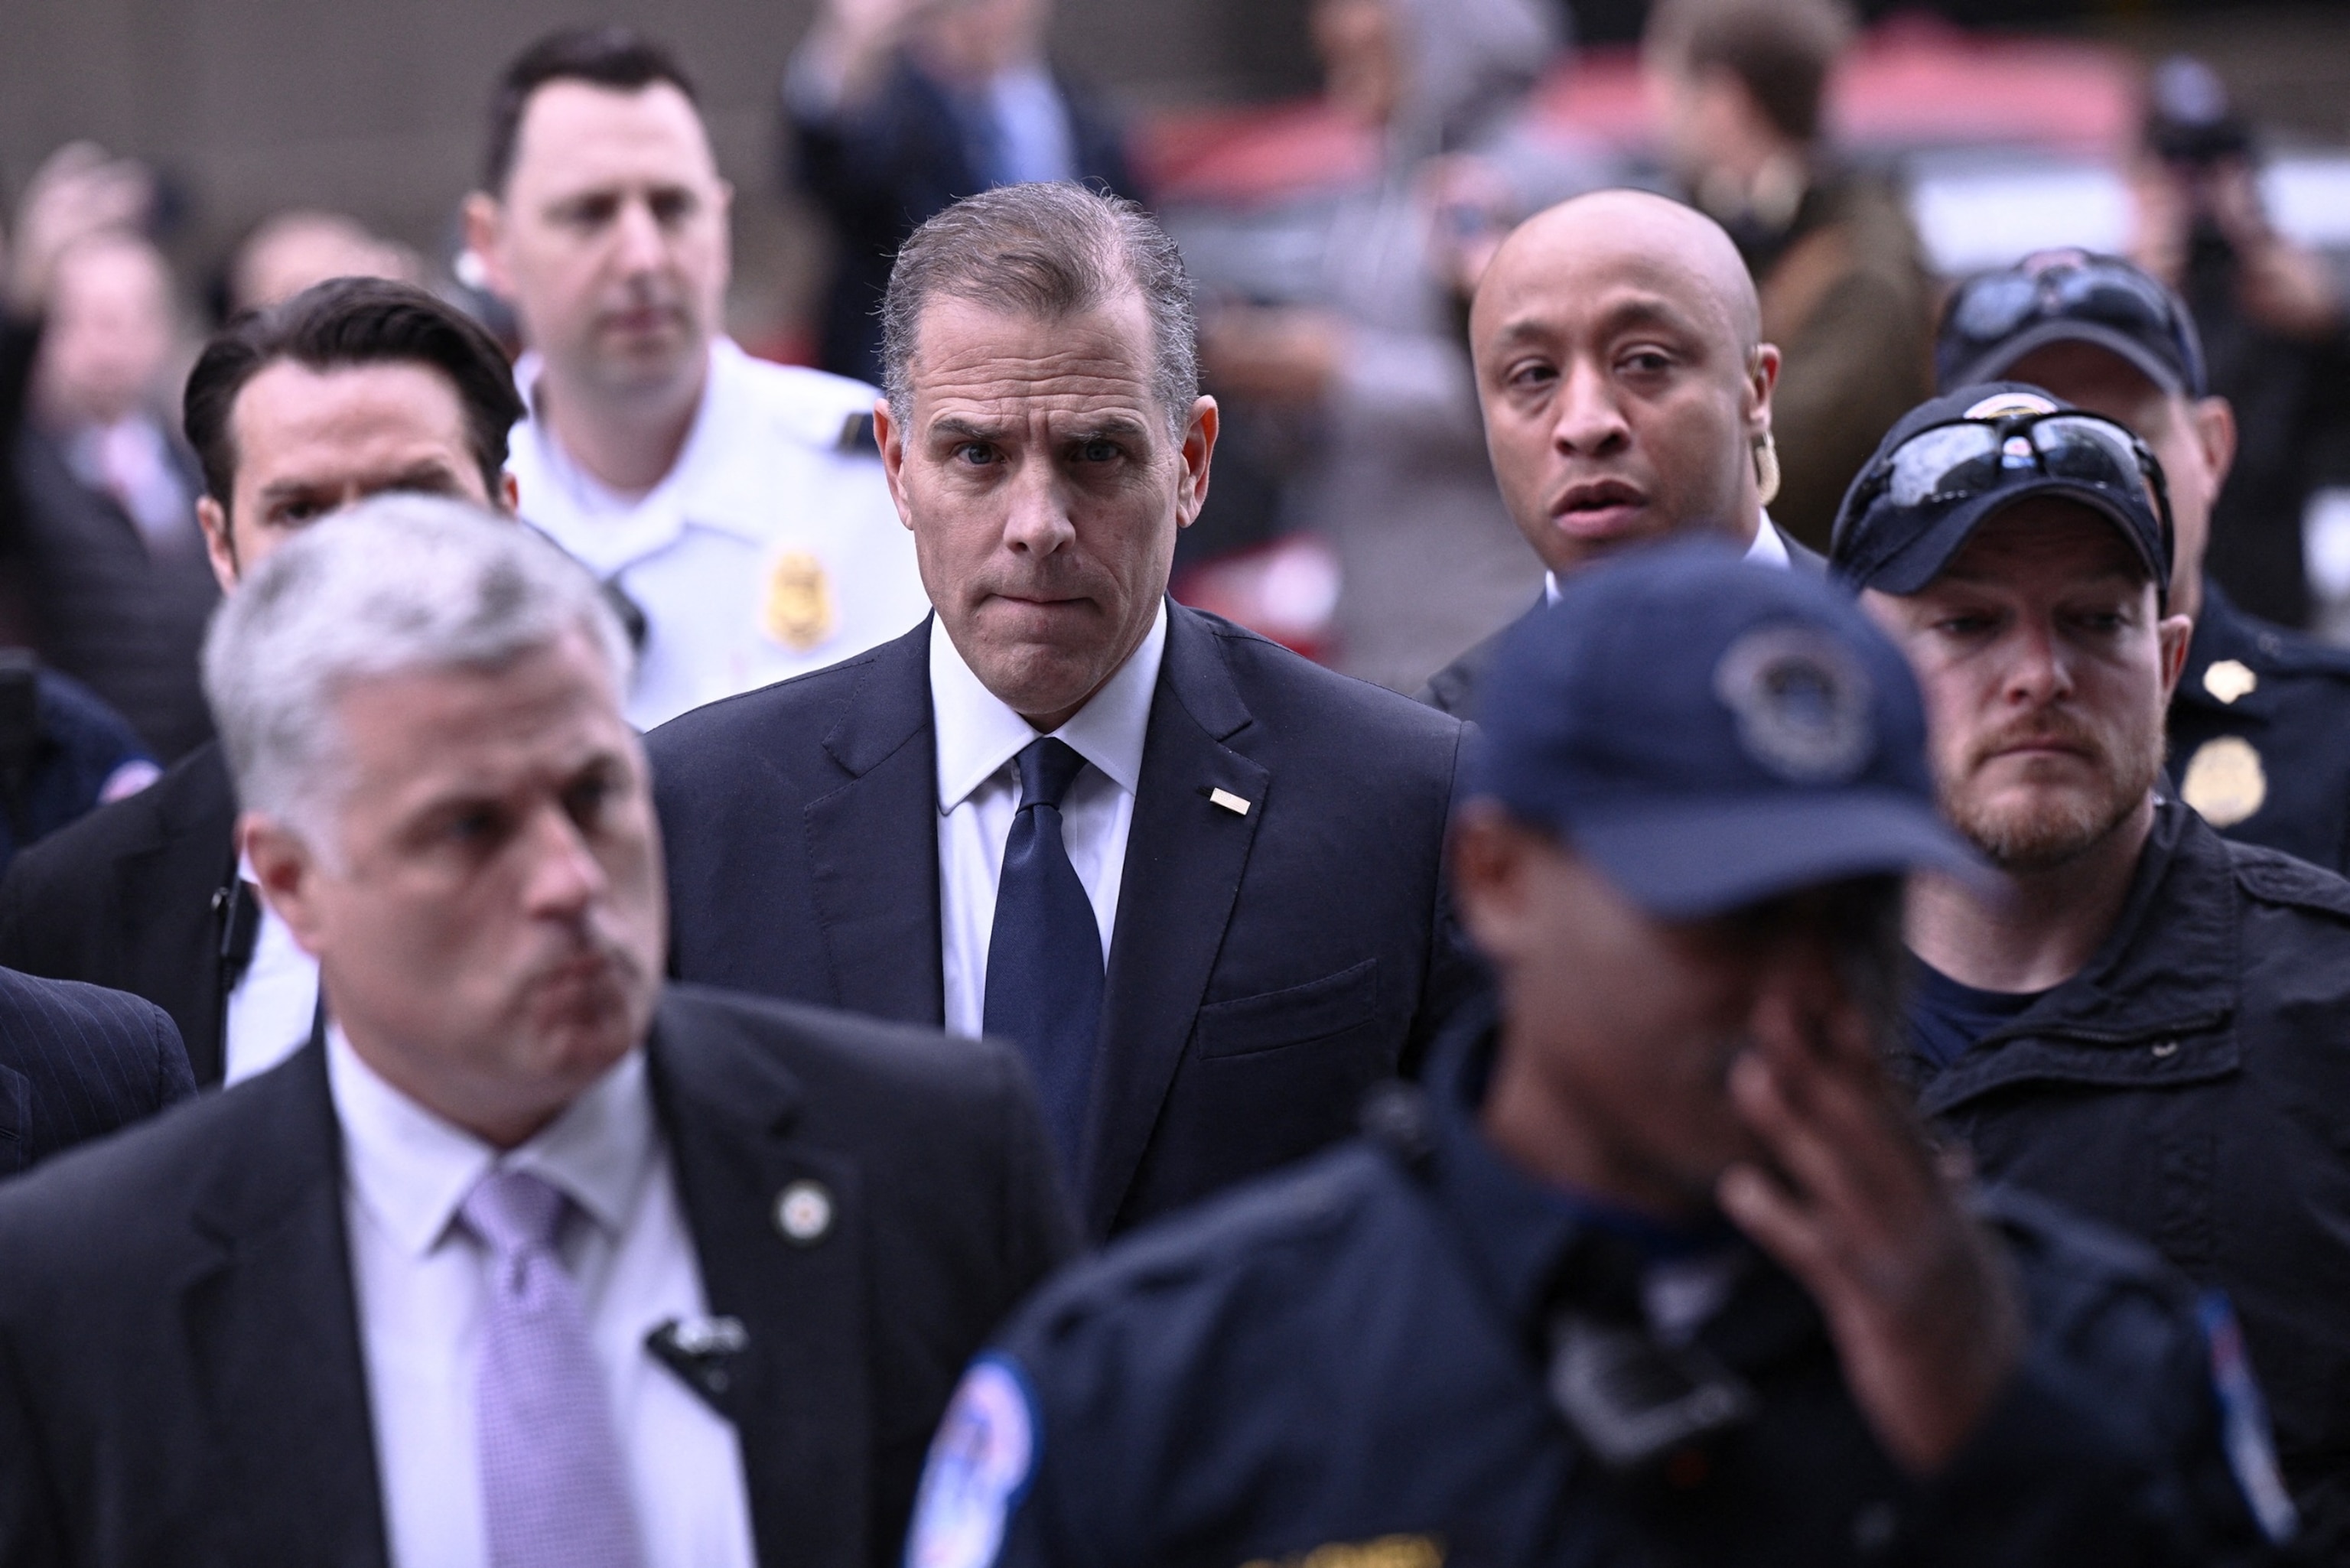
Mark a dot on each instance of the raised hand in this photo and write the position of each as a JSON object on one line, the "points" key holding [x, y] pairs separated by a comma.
{"points": [[1855, 1205]]}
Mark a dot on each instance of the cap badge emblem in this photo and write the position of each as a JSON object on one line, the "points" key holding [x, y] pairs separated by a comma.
{"points": [[1803, 704], [2224, 781]]}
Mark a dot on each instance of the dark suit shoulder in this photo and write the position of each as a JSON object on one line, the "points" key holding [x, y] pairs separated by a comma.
{"points": [[1309, 701], [786, 705], [193, 803], [1453, 689], [136, 1189], [94, 1060]]}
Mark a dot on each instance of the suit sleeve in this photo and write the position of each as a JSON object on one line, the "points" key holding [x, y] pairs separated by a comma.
{"points": [[1455, 976], [174, 1079]]}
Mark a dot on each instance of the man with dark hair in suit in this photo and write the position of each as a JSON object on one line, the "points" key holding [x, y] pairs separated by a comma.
{"points": [[353, 387], [1627, 391], [75, 1062], [1196, 878], [520, 1261]]}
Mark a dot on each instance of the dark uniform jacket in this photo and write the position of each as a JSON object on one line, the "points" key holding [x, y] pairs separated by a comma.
{"points": [[905, 157], [2260, 733], [2192, 1086], [75, 1062], [1349, 1360], [1268, 966], [182, 1379], [136, 896]]}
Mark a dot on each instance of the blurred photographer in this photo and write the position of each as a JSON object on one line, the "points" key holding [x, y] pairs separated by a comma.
{"points": [[2273, 322]]}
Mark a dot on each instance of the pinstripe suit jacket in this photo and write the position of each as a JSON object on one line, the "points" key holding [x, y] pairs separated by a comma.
{"points": [[76, 1062]]}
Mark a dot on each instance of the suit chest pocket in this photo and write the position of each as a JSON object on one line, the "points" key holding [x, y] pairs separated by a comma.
{"points": [[1296, 1015]]}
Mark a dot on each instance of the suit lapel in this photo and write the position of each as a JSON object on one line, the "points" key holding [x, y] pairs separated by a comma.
{"points": [[801, 1407], [274, 1325], [1184, 857], [873, 843], [170, 920]]}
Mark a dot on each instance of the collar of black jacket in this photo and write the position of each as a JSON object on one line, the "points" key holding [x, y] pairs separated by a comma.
{"points": [[1530, 1243], [2153, 1004]]}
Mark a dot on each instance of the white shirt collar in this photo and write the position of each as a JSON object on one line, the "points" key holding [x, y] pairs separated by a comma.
{"points": [[710, 484], [413, 1170], [978, 731], [1767, 550]]}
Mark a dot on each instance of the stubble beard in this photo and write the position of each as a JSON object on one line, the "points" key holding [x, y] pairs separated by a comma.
{"points": [[2052, 830]]}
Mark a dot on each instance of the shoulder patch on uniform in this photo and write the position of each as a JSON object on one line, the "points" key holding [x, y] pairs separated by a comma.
{"points": [[2244, 1419], [2278, 878], [978, 1470]]}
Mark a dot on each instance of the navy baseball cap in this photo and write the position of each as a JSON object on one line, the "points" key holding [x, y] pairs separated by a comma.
{"points": [[1995, 318], [1711, 733], [1953, 462]]}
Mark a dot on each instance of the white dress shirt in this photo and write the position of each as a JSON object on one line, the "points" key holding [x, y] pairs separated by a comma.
{"points": [[979, 794], [769, 549], [1768, 549], [271, 1007], [418, 1278]]}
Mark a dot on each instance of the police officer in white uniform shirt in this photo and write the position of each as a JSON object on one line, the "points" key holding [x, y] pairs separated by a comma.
{"points": [[738, 505]]}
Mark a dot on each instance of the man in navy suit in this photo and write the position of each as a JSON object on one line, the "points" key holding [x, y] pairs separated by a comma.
{"points": [[76, 1062], [1195, 877]]}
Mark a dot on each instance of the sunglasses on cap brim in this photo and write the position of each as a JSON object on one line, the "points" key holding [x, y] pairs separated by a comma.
{"points": [[1988, 310], [1946, 465]]}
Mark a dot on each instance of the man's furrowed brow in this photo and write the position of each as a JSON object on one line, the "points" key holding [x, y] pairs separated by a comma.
{"points": [[955, 426], [1115, 427]]}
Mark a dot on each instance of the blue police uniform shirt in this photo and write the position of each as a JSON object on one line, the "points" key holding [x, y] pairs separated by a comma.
{"points": [[1345, 1364], [1946, 1018]]}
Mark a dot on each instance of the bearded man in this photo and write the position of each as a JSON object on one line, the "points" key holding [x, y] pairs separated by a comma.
{"points": [[2146, 1022]]}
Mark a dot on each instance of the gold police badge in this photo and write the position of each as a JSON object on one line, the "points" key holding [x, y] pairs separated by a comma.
{"points": [[798, 610], [2224, 781]]}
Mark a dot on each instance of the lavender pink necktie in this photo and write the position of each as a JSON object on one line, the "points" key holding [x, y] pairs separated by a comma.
{"points": [[554, 1494]]}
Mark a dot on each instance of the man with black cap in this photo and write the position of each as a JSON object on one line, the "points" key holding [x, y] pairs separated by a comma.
{"points": [[2260, 725], [2145, 1021], [1659, 1254]]}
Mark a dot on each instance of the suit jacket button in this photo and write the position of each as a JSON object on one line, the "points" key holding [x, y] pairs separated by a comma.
{"points": [[804, 1212]]}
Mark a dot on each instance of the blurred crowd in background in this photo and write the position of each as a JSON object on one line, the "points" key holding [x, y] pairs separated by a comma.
{"points": [[1333, 243]]}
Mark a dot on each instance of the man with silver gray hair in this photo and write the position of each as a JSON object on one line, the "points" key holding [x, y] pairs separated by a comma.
{"points": [[1194, 876], [523, 1260]]}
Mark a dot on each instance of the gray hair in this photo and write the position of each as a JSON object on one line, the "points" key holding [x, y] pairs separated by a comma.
{"points": [[397, 585], [1045, 250]]}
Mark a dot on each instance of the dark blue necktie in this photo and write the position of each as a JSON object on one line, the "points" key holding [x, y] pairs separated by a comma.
{"points": [[1044, 958]]}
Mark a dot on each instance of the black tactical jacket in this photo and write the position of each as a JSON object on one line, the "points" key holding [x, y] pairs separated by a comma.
{"points": [[2191, 1085]]}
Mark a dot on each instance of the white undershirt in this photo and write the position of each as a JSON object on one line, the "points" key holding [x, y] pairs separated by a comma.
{"points": [[979, 792], [418, 1279], [1767, 550], [273, 1003]]}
